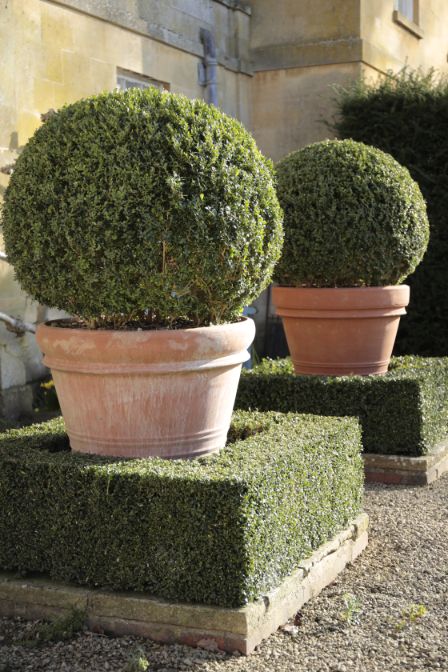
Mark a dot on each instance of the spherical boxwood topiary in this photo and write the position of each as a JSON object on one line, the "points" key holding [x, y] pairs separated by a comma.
{"points": [[143, 205], [353, 217]]}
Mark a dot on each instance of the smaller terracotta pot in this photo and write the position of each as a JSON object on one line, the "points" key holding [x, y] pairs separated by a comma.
{"points": [[341, 331], [164, 393]]}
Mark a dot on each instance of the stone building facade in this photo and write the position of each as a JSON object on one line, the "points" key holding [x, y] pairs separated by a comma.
{"points": [[276, 67]]}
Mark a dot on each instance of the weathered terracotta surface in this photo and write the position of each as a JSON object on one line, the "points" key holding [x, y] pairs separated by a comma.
{"points": [[167, 393], [342, 331]]}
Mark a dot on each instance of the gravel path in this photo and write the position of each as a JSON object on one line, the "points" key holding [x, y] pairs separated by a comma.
{"points": [[371, 619]]}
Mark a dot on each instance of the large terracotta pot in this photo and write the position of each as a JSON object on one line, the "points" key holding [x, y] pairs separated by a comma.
{"points": [[342, 331], [167, 393]]}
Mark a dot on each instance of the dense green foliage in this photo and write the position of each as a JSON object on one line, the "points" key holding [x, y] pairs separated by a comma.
{"points": [[353, 217], [60, 629], [143, 204], [407, 116], [404, 412], [219, 530]]}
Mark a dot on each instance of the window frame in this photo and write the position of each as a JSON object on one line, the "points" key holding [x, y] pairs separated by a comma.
{"points": [[398, 6], [138, 80], [412, 25]]}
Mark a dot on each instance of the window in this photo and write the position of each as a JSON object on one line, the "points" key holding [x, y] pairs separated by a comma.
{"points": [[408, 9], [128, 80], [406, 14]]}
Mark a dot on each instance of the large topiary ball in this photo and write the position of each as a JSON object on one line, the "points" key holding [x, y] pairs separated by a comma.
{"points": [[143, 204], [353, 217]]}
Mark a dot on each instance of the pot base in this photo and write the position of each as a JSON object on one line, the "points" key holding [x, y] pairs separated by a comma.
{"points": [[198, 445], [335, 369]]}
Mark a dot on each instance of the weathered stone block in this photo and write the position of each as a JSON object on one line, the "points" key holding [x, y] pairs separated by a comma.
{"points": [[402, 470]]}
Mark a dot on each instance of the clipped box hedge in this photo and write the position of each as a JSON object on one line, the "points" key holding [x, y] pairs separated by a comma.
{"points": [[220, 530], [404, 412]]}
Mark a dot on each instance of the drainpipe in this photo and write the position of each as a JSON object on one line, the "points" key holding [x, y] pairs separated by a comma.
{"points": [[208, 77]]}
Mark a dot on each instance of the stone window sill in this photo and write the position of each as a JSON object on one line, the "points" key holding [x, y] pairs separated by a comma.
{"points": [[408, 25]]}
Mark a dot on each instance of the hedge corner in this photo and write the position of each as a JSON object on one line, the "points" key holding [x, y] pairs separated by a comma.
{"points": [[404, 412]]}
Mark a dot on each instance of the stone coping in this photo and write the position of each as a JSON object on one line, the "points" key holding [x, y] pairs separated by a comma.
{"points": [[192, 624], [403, 470]]}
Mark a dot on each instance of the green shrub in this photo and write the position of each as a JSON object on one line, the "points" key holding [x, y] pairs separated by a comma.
{"points": [[60, 629], [137, 661], [219, 530], [353, 217], [143, 205], [404, 412], [407, 116]]}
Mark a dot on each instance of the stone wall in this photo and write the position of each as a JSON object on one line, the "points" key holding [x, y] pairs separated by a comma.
{"points": [[390, 45], [301, 50]]}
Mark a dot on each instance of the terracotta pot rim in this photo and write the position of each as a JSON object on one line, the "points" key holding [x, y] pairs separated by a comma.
{"points": [[341, 302], [142, 352], [370, 289]]}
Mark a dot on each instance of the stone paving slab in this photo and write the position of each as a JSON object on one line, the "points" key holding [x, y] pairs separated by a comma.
{"points": [[197, 625], [402, 470]]}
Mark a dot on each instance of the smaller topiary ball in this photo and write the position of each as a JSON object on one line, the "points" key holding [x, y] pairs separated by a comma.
{"points": [[143, 205], [353, 217]]}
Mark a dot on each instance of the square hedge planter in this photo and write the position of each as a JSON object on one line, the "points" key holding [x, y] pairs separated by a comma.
{"points": [[404, 414], [219, 530], [222, 530]]}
